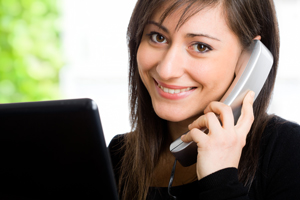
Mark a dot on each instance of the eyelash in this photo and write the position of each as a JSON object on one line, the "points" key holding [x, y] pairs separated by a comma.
{"points": [[193, 47]]}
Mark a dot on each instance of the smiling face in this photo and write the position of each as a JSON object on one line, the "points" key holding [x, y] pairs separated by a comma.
{"points": [[185, 69]]}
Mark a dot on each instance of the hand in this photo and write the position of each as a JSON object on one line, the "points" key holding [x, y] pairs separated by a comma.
{"points": [[222, 146]]}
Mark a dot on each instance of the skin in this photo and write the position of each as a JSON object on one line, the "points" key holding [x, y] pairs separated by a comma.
{"points": [[202, 54]]}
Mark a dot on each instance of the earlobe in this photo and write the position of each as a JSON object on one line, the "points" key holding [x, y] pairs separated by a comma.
{"points": [[258, 37]]}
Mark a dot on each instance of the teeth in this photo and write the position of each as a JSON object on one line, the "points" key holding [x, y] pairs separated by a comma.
{"points": [[173, 91]]}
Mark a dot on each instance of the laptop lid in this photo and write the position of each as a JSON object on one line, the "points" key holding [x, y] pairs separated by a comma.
{"points": [[54, 149]]}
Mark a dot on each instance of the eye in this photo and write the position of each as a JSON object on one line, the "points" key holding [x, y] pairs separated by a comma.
{"points": [[157, 38], [201, 48]]}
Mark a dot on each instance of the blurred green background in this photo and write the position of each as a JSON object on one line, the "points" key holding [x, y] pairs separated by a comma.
{"points": [[30, 50]]}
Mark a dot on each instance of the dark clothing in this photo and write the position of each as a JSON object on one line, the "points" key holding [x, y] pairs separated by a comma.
{"points": [[277, 176]]}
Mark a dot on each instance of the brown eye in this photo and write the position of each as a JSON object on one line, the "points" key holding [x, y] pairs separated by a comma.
{"points": [[201, 48], [158, 38]]}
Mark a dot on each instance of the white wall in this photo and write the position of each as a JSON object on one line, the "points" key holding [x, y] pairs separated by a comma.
{"points": [[97, 61], [286, 98]]}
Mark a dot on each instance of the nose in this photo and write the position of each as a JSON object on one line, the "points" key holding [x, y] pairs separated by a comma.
{"points": [[172, 64]]}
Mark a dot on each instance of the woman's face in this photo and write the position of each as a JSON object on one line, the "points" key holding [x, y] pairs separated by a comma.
{"points": [[185, 69]]}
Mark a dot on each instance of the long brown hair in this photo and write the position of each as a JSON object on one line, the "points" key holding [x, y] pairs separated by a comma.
{"points": [[143, 145]]}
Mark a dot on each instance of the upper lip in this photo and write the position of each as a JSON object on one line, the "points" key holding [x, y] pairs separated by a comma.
{"points": [[172, 86]]}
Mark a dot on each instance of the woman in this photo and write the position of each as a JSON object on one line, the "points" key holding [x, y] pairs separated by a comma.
{"points": [[183, 57]]}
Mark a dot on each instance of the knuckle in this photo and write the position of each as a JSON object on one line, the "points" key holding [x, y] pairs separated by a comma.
{"points": [[193, 133], [213, 103], [243, 143], [208, 115], [251, 117], [227, 108], [197, 123]]}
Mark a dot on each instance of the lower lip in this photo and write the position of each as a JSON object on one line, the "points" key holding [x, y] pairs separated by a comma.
{"points": [[174, 96]]}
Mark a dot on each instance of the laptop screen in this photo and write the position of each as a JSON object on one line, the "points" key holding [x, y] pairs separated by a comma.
{"points": [[54, 149]]}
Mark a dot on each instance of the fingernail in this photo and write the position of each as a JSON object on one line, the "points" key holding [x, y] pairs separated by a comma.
{"points": [[252, 94]]}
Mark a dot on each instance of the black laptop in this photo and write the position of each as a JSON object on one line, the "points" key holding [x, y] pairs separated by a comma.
{"points": [[54, 149]]}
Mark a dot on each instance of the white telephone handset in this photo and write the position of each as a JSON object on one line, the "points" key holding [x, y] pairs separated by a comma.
{"points": [[253, 69]]}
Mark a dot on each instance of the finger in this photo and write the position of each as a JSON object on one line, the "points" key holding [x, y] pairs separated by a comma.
{"points": [[224, 111], [213, 123], [199, 123], [195, 135], [247, 117], [209, 121]]}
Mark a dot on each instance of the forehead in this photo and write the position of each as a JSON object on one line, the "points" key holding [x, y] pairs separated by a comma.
{"points": [[183, 10], [200, 18]]}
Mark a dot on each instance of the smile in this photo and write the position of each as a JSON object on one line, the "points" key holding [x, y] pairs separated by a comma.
{"points": [[174, 91]]}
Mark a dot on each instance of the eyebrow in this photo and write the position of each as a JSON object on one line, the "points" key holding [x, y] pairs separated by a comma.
{"points": [[191, 35], [159, 26]]}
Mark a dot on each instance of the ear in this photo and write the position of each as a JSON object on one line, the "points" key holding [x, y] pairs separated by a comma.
{"points": [[244, 57], [258, 37]]}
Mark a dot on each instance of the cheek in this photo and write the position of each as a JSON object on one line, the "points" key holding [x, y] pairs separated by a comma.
{"points": [[145, 59], [214, 75], [141, 62], [145, 63]]}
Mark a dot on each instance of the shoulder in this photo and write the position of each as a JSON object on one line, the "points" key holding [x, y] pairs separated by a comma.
{"points": [[116, 151], [280, 133], [116, 142], [116, 148], [281, 125], [281, 138], [280, 158]]}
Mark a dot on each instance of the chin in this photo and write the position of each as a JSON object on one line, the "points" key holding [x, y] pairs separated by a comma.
{"points": [[175, 113], [172, 116]]}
